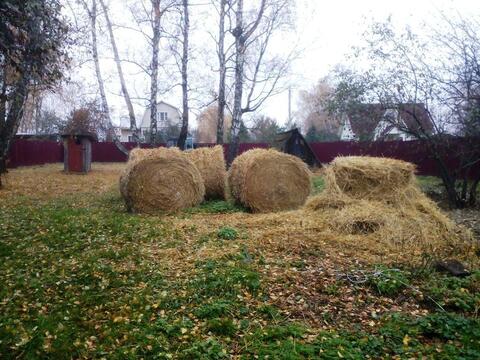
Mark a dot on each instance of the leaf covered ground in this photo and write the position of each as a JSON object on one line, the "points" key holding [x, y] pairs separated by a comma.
{"points": [[82, 278]]}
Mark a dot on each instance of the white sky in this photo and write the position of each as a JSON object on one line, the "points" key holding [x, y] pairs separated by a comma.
{"points": [[325, 32], [329, 29]]}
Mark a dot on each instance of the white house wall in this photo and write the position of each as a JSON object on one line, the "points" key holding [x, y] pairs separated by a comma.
{"points": [[172, 114], [347, 132]]}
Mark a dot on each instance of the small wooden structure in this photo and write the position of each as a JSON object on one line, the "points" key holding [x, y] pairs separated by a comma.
{"points": [[292, 142], [77, 152]]}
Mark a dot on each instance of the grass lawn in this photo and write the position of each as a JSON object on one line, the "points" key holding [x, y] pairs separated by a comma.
{"points": [[82, 278]]}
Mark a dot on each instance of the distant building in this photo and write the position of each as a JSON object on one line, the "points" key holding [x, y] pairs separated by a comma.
{"points": [[124, 133], [374, 122], [168, 117]]}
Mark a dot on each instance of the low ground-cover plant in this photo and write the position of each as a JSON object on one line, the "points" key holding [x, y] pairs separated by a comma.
{"points": [[216, 207], [454, 293], [227, 233], [388, 281], [318, 184]]}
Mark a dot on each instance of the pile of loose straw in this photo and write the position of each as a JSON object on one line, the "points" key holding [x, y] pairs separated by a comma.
{"points": [[379, 199]]}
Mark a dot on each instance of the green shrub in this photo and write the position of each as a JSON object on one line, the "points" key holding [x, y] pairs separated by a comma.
{"points": [[227, 233], [213, 310], [209, 349], [222, 326], [387, 281]]}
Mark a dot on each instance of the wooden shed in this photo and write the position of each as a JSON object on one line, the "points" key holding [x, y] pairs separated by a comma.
{"points": [[292, 142], [77, 152]]}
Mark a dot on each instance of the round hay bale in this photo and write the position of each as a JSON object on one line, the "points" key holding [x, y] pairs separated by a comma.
{"points": [[139, 153], [210, 161], [268, 180], [134, 155], [364, 177], [161, 181]]}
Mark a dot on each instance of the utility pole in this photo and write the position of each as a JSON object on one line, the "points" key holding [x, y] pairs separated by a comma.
{"points": [[290, 105]]}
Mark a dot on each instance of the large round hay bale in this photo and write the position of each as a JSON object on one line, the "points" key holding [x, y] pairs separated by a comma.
{"points": [[162, 181], [210, 161], [364, 177], [268, 180]]}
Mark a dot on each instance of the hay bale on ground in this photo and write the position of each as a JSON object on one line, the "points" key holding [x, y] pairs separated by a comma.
{"points": [[139, 153], [210, 161], [163, 180], [378, 199], [364, 177], [268, 180]]}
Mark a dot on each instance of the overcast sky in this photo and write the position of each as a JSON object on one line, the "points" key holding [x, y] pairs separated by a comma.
{"points": [[325, 32], [329, 29]]}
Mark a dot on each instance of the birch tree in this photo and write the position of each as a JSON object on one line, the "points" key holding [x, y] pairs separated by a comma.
{"points": [[118, 63], [92, 15], [184, 71], [254, 70], [222, 64], [156, 17]]}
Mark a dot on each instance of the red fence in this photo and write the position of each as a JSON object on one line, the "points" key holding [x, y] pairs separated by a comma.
{"points": [[412, 151], [31, 152]]}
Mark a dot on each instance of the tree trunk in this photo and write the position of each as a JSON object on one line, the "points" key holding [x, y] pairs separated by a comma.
{"points": [[101, 86], [448, 183], [10, 124], [126, 95], [185, 29], [154, 69], [472, 196], [223, 72], [237, 100]]}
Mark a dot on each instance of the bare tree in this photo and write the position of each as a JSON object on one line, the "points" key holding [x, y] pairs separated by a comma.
{"points": [[254, 71], [92, 15], [207, 122], [125, 93], [313, 109], [184, 71], [222, 64], [405, 78], [156, 17]]}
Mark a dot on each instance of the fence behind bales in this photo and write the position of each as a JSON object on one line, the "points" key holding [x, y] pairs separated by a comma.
{"points": [[35, 152]]}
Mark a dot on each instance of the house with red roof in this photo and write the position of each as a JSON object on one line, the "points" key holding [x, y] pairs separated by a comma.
{"points": [[375, 122]]}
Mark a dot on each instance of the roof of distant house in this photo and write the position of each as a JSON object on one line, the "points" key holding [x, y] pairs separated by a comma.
{"points": [[364, 118]]}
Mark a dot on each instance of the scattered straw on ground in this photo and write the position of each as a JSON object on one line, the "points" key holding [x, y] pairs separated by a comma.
{"points": [[51, 182]]}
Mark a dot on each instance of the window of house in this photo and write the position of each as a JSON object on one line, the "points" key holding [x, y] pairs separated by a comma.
{"points": [[130, 138], [162, 116]]}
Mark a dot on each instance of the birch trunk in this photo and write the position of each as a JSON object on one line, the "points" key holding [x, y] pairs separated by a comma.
{"points": [[154, 69], [238, 92], [126, 95], [223, 71], [185, 32], [101, 86]]}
